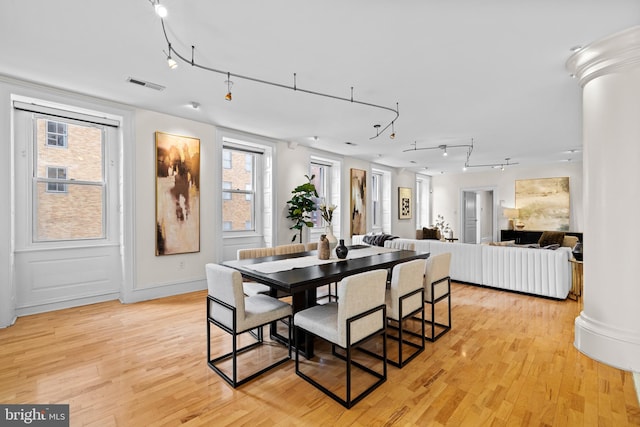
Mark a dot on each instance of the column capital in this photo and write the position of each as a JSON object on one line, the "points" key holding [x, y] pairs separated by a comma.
{"points": [[616, 53]]}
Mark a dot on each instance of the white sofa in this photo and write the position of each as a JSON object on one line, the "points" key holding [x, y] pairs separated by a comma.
{"points": [[529, 270]]}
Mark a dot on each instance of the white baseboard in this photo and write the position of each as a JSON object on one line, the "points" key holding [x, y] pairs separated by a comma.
{"points": [[136, 295], [163, 290], [60, 305]]}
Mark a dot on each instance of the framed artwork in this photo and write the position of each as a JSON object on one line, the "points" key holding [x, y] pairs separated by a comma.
{"points": [[543, 203], [358, 201], [177, 194], [404, 203]]}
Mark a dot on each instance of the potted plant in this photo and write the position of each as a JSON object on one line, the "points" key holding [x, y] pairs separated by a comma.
{"points": [[443, 226], [301, 206]]}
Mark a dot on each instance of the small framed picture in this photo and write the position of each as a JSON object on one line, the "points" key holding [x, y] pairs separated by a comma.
{"points": [[405, 204]]}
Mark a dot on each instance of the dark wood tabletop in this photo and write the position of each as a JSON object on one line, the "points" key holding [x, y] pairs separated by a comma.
{"points": [[305, 278], [302, 282]]}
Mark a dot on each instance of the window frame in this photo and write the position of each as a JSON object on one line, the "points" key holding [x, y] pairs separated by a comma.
{"points": [[249, 195], [64, 135], [36, 180], [60, 187]]}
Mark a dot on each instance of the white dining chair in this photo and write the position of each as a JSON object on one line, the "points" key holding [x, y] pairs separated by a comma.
{"points": [[254, 288], [437, 288], [404, 300], [289, 249], [233, 312], [359, 315]]}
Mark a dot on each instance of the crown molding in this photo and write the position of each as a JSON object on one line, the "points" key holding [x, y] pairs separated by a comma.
{"points": [[613, 54]]}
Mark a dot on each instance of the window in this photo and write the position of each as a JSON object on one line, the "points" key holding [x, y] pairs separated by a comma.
{"points": [[238, 189], [56, 134], [226, 185], [226, 159], [376, 198], [422, 201], [81, 214], [321, 174], [56, 173]]}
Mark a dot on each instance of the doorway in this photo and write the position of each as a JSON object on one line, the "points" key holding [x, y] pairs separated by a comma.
{"points": [[478, 215]]}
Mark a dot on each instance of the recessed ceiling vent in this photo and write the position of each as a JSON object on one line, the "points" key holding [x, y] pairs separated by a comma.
{"points": [[145, 84]]}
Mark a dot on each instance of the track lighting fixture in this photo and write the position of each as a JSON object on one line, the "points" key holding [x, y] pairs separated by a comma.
{"points": [[162, 12], [393, 131], [229, 83], [444, 150], [170, 61]]}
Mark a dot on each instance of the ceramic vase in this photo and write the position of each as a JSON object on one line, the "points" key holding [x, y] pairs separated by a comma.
{"points": [[333, 242], [341, 250], [323, 248]]}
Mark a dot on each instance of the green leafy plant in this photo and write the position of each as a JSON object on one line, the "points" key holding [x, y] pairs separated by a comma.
{"points": [[301, 205]]}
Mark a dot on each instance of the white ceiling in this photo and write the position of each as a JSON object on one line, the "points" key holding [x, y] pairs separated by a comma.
{"points": [[492, 71]]}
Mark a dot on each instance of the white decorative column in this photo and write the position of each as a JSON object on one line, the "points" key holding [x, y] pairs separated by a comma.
{"points": [[608, 328]]}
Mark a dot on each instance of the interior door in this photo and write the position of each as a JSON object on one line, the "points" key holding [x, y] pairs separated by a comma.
{"points": [[470, 217]]}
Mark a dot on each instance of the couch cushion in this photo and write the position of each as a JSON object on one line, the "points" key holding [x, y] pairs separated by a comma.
{"points": [[551, 238], [505, 243], [569, 241]]}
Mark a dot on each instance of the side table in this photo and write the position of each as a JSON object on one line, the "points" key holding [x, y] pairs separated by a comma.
{"points": [[577, 279]]}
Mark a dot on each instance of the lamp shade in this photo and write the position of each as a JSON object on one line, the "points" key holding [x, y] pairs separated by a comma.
{"points": [[511, 213]]}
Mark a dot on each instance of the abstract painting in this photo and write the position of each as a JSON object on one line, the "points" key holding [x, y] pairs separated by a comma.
{"points": [[358, 202], [177, 194], [404, 203], [543, 203]]}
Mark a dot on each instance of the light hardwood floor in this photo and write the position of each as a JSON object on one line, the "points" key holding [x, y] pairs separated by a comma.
{"points": [[509, 360]]}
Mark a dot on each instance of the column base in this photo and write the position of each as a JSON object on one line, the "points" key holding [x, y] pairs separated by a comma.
{"points": [[614, 347]]}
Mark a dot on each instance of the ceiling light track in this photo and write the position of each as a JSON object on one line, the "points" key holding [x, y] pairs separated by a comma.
{"points": [[295, 87]]}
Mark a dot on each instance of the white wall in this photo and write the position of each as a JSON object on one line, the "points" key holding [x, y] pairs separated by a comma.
{"points": [[292, 164], [446, 190], [184, 271], [405, 228]]}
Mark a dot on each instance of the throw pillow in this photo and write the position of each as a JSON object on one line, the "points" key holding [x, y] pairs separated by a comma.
{"points": [[552, 247], [551, 238], [430, 233]]}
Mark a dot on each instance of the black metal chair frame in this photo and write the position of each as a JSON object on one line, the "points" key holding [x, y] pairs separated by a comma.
{"points": [[233, 380], [400, 339], [348, 402], [433, 303]]}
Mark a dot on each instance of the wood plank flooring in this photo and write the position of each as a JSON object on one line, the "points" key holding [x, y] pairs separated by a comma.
{"points": [[509, 360]]}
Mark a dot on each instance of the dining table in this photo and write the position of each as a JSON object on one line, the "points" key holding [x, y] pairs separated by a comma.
{"points": [[300, 274]]}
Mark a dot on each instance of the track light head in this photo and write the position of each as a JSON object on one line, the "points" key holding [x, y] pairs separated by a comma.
{"points": [[171, 62], [161, 11], [229, 84]]}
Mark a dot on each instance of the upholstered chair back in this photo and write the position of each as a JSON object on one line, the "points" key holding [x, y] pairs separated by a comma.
{"points": [[255, 253], [356, 295], [289, 249], [405, 278], [437, 268], [225, 284]]}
